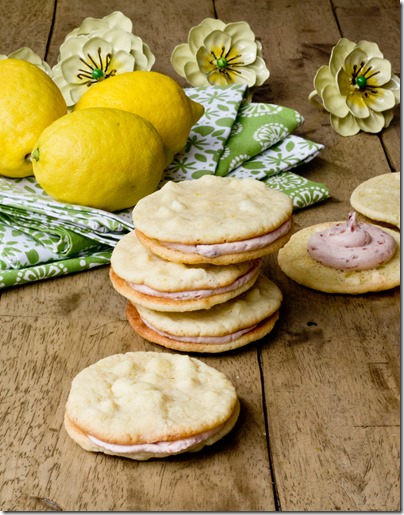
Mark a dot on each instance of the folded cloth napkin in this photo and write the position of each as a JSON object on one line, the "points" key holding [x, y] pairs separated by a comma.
{"points": [[41, 238]]}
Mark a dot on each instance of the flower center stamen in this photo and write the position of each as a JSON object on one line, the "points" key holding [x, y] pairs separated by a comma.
{"points": [[96, 71], [221, 63], [361, 81]]}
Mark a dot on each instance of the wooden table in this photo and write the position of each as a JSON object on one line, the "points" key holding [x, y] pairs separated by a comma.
{"points": [[319, 427]]}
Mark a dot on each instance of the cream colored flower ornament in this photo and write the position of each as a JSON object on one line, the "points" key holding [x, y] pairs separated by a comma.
{"points": [[26, 54], [357, 88], [98, 49], [220, 54]]}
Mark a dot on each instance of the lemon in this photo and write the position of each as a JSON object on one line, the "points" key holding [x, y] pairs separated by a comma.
{"points": [[153, 95], [29, 102], [99, 157]]}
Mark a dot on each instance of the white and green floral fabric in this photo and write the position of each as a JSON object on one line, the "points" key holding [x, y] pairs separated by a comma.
{"points": [[41, 238]]}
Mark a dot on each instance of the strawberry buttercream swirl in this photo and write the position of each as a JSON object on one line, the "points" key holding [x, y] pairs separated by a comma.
{"points": [[352, 245]]}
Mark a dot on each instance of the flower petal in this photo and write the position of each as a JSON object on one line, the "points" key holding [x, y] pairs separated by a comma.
{"points": [[240, 30], [119, 39], [379, 99], [357, 105], [97, 48], [261, 71], [338, 54], [388, 116], [242, 75], [77, 91], [243, 52], [354, 61], [194, 75], [394, 86], [197, 34], [121, 62], [218, 43], [90, 24], [370, 49], [346, 126], [118, 20], [70, 69], [323, 78], [344, 82], [205, 61], [377, 71], [334, 102], [180, 56], [373, 123], [217, 78], [72, 46]]}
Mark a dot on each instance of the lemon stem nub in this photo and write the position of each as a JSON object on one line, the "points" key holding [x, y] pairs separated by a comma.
{"points": [[35, 154]]}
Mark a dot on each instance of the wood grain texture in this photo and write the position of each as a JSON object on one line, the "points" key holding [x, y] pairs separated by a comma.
{"points": [[320, 396]]}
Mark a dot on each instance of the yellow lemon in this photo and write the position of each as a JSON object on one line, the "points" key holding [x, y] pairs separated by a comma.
{"points": [[153, 95], [99, 157], [29, 102]]}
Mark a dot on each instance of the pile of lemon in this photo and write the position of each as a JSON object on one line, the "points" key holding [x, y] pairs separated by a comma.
{"points": [[110, 151]]}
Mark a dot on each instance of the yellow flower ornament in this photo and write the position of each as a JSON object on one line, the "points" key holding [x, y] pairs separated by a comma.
{"points": [[220, 54], [357, 88], [97, 50]]}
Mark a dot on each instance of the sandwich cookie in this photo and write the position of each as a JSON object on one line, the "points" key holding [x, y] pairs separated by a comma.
{"points": [[148, 280], [343, 257], [218, 220], [379, 198], [224, 327], [143, 405]]}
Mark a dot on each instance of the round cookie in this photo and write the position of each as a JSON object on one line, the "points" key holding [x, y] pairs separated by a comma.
{"points": [[143, 405], [224, 327], [379, 198], [148, 280], [295, 261], [218, 220]]}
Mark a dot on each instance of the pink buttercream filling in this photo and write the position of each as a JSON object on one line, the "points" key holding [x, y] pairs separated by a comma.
{"points": [[197, 294], [203, 339], [352, 245], [171, 447], [221, 249]]}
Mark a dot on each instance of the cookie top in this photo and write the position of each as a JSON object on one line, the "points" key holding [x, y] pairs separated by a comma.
{"points": [[379, 198], [259, 302], [295, 261], [134, 263], [211, 210], [147, 397]]}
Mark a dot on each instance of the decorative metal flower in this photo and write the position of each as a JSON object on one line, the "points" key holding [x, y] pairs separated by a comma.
{"points": [[26, 54], [98, 49], [357, 88], [220, 54]]}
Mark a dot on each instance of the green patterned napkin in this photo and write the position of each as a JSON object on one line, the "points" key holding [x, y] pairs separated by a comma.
{"points": [[41, 238], [256, 128]]}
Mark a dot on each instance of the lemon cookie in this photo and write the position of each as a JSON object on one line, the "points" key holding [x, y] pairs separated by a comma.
{"points": [[379, 198], [143, 405], [148, 280], [218, 220], [224, 327], [343, 257]]}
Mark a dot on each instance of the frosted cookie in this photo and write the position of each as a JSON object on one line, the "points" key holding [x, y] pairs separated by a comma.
{"points": [[146, 279], [218, 220], [224, 327], [143, 405], [379, 198], [343, 257]]}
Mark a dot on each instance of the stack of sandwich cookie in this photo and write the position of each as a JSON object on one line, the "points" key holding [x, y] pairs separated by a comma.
{"points": [[191, 269], [143, 405]]}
